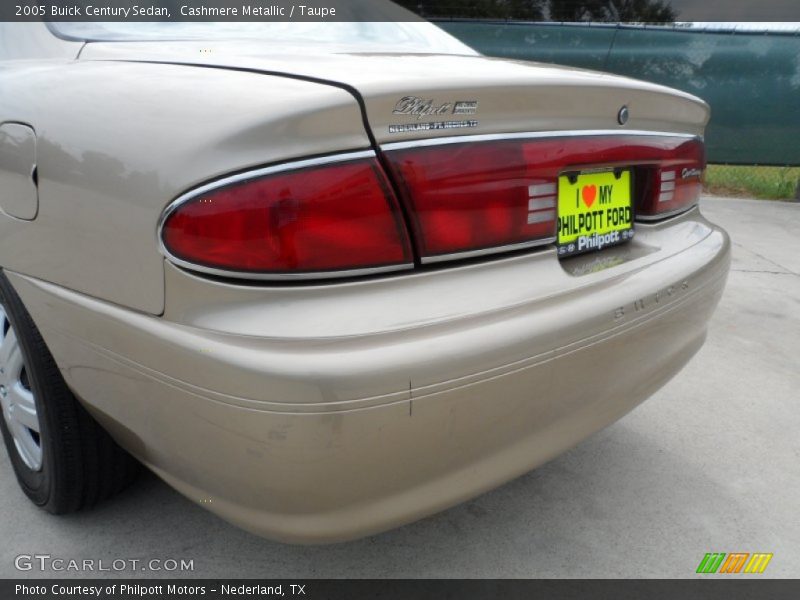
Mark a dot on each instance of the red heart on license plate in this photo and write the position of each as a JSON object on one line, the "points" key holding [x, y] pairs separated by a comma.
{"points": [[589, 194]]}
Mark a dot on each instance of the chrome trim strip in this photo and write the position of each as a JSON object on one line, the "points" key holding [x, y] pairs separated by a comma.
{"points": [[290, 276], [426, 260], [663, 216], [492, 137], [541, 216], [666, 196], [542, 189], [541, 203], [257, 174]]}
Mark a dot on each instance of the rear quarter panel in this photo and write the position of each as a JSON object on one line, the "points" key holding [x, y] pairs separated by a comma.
{"points": [[117, 141]]}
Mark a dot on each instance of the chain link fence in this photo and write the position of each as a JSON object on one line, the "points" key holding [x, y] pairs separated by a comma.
{"points": [[773, 183]]}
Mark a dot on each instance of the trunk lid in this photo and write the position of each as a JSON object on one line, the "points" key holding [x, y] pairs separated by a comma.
{"points": [[418, 96]]}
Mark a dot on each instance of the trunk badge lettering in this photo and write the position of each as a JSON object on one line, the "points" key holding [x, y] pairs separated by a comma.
{"points": [[420, 107], [690, 173], [414, 106], [465, 107]]}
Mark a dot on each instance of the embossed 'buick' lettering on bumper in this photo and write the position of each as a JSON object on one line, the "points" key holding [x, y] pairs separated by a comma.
{"points": [[646, 304]]}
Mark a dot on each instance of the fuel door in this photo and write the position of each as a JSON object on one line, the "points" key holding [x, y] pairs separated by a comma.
{"points": [[19, 193]]}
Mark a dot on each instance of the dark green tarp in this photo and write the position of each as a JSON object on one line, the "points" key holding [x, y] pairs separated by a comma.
{"points": [[750, 79]]}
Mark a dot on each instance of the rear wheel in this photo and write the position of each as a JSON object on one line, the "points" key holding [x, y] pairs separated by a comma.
{"points": [[63, 459]]}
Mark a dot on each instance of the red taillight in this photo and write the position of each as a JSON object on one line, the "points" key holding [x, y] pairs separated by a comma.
{"points": [[317, 220], [676, 183], [339, 216], [469, 197], [474, 196]]}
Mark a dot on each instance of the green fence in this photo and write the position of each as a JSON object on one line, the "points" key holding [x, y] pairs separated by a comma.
{"points": [[750, 79]]}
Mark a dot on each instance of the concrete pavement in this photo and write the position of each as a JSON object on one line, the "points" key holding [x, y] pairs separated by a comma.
{"points": [[710, 463]]}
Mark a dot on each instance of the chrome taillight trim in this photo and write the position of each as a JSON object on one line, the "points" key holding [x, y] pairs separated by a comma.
{"points": [[533, 135], [439, 258], [666, 215], [316, 276], [258, 173]]}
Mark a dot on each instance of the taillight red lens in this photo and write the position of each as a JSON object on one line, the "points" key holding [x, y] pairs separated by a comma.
{"points": [[469, 197], [473, 196], [463, 198], [676, 183], [337, 217]]}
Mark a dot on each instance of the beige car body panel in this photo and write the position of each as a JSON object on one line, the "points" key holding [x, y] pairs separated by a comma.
{"points": [[321, 412]]}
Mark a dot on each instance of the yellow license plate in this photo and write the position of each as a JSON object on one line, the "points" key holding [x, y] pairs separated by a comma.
{"points": [[594, 211]]}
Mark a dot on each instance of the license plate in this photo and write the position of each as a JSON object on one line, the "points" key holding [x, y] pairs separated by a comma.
{"points": [[594, 211]]}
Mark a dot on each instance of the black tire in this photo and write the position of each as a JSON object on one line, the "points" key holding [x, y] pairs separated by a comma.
{"points": [[80, 463]]}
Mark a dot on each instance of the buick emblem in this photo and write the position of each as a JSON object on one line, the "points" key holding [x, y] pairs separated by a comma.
{"points": [[623, 115]]}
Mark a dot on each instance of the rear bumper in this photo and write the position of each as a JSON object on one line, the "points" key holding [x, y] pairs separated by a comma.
{"points": [[371, 406]]}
